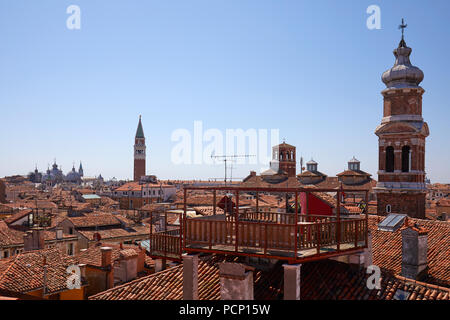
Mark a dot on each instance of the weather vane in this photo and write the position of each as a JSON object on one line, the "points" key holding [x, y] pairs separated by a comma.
{"points": [[402, 26]]}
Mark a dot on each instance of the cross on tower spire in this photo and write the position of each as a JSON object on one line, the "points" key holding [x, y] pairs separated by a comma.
{"points": [[403, 27]]}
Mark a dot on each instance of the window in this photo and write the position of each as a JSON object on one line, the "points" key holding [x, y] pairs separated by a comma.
{"points": [[388, 208], [390, 159], [406, 158], [5, 254], [70, 249]]}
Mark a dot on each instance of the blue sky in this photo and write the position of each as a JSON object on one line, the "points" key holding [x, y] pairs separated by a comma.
{"points": [[309, 68]]}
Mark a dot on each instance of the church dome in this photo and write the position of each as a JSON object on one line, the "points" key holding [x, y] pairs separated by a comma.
{"points": [[403, 74]]}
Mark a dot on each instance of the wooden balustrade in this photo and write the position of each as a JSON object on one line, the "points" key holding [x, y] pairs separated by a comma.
{"points": [[221, 235], [166, 243], [270, 236]]}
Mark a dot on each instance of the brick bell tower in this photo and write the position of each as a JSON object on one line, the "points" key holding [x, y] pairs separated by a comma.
{"points": [[401, 138], [285, 155], [139, 152]]}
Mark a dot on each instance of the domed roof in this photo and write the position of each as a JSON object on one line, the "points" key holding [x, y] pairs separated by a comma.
{"points": [[311, 162], [403, 74], [353, 160]]}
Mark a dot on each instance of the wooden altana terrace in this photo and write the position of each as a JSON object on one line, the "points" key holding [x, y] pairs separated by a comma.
{"points": [[295, 237]]}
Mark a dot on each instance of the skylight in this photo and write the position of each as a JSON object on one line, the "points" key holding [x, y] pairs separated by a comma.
{"points": [[392, 222]]}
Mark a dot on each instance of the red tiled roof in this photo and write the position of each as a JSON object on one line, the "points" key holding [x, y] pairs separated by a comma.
{"points": [[114, 233], [95, 219], [25, 272], [9, 236], [322, 280], [93, 255], [17, 216], [387, 249]]}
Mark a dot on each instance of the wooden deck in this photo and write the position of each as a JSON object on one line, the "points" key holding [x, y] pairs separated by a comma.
{"points": [[264, 239], [293, 237]]}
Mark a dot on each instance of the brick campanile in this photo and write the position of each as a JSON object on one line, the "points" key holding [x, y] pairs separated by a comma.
{"points": [[284, 155], [401, 138], [139, 152]]}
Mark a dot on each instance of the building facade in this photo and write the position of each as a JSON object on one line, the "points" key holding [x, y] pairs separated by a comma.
{"points": [[401, 177]]}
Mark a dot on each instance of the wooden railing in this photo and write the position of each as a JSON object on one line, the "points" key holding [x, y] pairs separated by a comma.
{"points": [[264, 236], [281, 218], [165, 244]]}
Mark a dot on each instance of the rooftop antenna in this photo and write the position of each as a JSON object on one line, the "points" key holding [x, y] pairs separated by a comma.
{"points": [[225, 159]]}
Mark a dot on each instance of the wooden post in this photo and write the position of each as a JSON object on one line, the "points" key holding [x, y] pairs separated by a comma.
{"points": [[151, 232], [367, 219], [265, 238], [180, 234], [237, 221], [257, 201], [215, 202], [296, 225], [338, 213], [183, 222], [307, 206], [210, 234], [318, 230]]}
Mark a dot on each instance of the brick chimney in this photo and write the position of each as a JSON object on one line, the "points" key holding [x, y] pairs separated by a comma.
{"points": [[414, 251], [190, 277], [34, 240], [236, 281], [106, 256], [107, 266]]}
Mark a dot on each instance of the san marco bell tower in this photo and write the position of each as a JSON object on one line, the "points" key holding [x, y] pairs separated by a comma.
{"points": [[401, 137], [139, 152]]}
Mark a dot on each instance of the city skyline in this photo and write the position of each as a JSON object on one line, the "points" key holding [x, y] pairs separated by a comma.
{"points": [[77, 94]]}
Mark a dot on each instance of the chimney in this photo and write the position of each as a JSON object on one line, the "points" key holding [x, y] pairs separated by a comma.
{"points": [[190, 277], [82, 267], [253, 173], [236, 281], [106, 256], [414, 251], [59, 233], [34, 239], [292, 281]]}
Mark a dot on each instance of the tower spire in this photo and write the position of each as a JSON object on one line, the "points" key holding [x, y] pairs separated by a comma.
{"points": [[403, 26], [140, 130]]}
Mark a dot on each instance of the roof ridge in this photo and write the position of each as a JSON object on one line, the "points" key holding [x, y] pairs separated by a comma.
{"points": [[135, 281], [420, 283]]}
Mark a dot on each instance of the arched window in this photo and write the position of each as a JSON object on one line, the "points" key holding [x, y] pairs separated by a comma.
{"points": [[406, 158], [292, 155], [390, 159], [388, 208]]}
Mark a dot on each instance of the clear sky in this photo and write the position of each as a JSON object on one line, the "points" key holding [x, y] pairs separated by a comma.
{"points": [[311, 69]]}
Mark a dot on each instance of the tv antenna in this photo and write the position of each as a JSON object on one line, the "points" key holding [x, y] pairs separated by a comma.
{"points": [[226, 159]]}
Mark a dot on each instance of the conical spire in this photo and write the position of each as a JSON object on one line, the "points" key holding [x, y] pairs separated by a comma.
{"points": [[140, 130]]}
